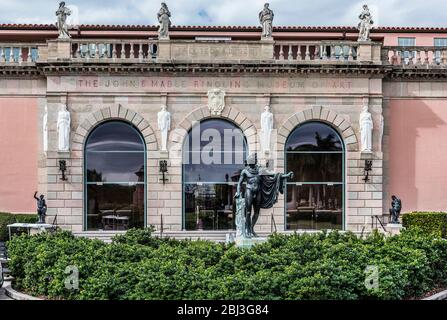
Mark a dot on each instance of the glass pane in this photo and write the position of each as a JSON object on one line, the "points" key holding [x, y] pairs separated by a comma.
{"points": [[440, 42], [115, 207], [219, 134], [115, 136], [209, 207], [406, 42], [314, 136], [314, 207], [213, 167], [315, 167], [115, 166]]}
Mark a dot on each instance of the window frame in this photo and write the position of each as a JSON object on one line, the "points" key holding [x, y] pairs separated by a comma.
{"points": [[86, 183], [343, 168], [201, 183]]}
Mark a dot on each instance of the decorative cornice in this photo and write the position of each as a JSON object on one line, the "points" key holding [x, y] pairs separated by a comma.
{"points": [[262, 67]]}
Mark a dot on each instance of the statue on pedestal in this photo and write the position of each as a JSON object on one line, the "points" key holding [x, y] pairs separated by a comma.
{"points": [[266, 20], [266, 128], [365, 24], [261, 192], [164, 125], [381, 131], [63, 129], [366, 130], [163, 18], [62, 13], [41, 207], [45, 130], [396, 206]]}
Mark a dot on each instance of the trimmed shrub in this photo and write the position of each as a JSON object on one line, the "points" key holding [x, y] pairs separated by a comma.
{"points": [[298, 267], [8, 218], [430, 222]]}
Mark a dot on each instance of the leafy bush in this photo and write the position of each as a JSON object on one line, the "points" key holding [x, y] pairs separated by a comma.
{"points": [[307, 266], [8, 218], [429, 222]]}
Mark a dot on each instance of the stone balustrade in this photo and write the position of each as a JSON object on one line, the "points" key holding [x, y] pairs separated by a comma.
{"points": [[18, 53], [113, 50], [148, 50], [415, 56], [317, 51]]}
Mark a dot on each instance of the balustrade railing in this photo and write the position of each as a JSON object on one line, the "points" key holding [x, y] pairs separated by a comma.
{"points": [[114, 50], [415, 56], [316, 51], [18, 53]]}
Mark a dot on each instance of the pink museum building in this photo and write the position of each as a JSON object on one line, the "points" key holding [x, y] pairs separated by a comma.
{"points": [[104, 87]]}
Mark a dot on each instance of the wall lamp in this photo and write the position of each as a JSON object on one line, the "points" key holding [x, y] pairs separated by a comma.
{"points": [[164, 170], [367, 169], [63, 169]]}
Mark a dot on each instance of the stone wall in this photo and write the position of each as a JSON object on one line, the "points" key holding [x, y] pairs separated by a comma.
{"points": [[293, 100]]}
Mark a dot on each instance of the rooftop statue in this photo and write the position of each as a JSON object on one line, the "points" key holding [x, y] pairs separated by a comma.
{"points": [[62, 13], [163, 18], [261, 191], [365, 24], [266, 20]]}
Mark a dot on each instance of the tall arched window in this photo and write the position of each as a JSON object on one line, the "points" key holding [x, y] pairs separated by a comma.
{"points": [[315, 196], [115, 177], [213, 157]]}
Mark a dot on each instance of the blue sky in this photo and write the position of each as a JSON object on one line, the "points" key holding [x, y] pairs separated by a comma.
{"points": [[232, 12]]}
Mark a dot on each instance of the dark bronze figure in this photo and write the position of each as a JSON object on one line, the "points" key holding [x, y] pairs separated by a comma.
{"points": [[41, 207], [396, 206], [261, 191]]}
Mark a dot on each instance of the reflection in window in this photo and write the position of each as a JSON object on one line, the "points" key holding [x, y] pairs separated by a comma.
{"points": [[115, 177], [314, 152], [212, 162]]}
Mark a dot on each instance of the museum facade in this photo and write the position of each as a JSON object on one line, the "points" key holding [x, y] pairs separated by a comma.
{"points": [[119, 128]]}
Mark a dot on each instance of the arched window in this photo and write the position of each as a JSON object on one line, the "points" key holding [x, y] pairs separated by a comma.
{"points": [[213, 157], [115, 177], [315, 196]]}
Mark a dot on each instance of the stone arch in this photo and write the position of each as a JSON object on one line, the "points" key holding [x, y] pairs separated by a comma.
{"points": [[319, 113], [229, 113], [115, 112]]}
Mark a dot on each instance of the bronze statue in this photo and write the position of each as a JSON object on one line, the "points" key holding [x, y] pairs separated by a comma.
{"points": [[41, 207], [261, 191], [396, 206]]}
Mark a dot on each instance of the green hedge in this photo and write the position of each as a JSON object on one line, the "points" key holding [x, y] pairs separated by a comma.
{"points": [[8, 218], [429, 222], [309, 266]]}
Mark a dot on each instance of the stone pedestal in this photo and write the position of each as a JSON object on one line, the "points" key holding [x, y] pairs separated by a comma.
{"points": [[365, 51], [59, 50], [164, 49], [394, 229], [247, 243]]}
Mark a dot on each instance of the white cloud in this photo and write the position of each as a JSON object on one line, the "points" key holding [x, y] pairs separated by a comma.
{"points": [[231, 12]]}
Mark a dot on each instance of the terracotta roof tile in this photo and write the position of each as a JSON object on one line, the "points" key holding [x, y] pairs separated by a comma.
{"points": [[12, 26]]}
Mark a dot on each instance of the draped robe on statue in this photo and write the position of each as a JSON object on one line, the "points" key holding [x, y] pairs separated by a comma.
{"points": [[271, 185]]}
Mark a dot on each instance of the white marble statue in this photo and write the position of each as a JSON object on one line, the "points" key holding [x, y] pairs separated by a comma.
{"points": [[63, 129], [163, 18], [266, 20], [381, 129], [365, 24], [45, 129], [62, 13], [366, 130], [164, 125], [266, 128]]}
